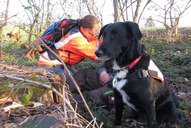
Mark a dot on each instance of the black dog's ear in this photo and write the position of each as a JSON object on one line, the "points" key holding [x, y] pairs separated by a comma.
{"points": [[135, 30], [140, 47], [101, 31]]}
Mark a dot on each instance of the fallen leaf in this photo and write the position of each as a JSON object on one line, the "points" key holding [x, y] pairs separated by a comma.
{"points": [[57, 77], [13, 39], [38, 49], [1, 56], [24, 45], [12, 36], [6, 100], [30, 55], [18, 36]]}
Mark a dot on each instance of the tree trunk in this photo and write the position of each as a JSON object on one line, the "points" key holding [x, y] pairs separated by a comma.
{"points": [[5, 21], [48, 14], [135, 17], [1, 32], [36, 17], [116, 10], [41, 24], [176, 25]]}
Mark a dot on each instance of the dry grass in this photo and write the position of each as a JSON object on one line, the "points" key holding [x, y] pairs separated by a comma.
{"points": [[35, 77]]}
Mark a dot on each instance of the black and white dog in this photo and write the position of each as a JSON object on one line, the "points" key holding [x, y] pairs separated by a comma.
{"points": [[137, 80]]}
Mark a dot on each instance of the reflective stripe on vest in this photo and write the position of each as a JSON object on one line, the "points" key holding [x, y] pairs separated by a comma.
{"points": [[45, 58], [65, 41], [152, 66]]}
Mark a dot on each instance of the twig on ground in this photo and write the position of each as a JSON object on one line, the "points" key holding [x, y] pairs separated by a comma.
{"points": [[93, 121]]}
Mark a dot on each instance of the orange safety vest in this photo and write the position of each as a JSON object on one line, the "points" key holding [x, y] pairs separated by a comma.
{"points": [[73, 48]]}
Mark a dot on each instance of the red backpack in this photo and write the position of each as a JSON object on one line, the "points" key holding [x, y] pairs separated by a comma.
{"points": [[54, 33]]}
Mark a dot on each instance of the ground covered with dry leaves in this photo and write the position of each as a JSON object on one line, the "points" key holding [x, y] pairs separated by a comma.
{"points": [[40, 112]]}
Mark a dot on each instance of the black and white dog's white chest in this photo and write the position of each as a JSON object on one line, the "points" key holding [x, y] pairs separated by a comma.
{"points": [[120, 81]]}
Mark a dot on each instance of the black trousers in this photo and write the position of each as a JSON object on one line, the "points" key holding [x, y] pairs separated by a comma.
{"points": [[92, 90]]}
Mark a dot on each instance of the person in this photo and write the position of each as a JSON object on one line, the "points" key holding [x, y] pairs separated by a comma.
{"points": [[96, 87], [79, 43]]}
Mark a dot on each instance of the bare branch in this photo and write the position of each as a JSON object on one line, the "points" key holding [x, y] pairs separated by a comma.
{"points": [[143, 10]]}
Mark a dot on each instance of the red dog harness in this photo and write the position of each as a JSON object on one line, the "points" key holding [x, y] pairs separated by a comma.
{"points": [[152, 71]]}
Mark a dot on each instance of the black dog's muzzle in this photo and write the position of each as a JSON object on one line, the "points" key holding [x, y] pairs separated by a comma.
{"points": [[99, 53]]}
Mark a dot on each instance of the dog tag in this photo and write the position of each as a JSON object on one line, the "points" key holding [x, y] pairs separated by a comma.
{"points": [[114, 82]]}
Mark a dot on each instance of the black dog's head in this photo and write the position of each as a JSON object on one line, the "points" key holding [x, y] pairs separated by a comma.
{"points": [[117, 38]]}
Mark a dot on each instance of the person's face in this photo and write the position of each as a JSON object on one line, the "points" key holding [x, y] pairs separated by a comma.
{"points": [[95, 30]]}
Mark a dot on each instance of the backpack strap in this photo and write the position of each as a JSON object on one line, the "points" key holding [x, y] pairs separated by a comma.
{"points": [[68, 63], [60, 31]]}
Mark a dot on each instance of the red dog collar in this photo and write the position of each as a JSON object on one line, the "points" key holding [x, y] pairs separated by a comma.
{"points": [[134, 62]]}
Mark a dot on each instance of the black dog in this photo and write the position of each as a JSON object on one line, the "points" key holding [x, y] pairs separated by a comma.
{"points": [[134, 83]]}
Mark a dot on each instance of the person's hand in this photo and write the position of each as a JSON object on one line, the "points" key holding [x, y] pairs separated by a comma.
{"points": [[104, 78]]}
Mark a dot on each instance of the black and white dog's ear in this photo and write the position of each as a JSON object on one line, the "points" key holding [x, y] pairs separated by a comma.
{"points": [[135, 29], [102, 30]]}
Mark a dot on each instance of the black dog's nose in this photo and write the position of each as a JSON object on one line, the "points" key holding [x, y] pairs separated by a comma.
{"points": [[99, 53]]}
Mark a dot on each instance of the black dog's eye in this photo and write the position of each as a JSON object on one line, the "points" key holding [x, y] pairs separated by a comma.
{"points": [[114, 35]]}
